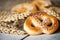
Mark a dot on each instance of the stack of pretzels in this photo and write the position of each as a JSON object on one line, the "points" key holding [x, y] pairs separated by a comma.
{"points": [[39, 19], [40, 22]]}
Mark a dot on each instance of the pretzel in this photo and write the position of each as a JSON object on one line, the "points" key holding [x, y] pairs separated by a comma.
{"points": [[31, 26], [48, 23]]}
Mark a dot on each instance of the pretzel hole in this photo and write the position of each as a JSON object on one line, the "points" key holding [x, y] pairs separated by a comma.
{"points": [[41, 20], [32, 25], [50, 24]]}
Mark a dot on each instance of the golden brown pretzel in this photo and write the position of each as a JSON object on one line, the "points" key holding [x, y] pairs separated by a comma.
{"points": [[31, 26], [41, 3], [24, 7], [48, 23]]}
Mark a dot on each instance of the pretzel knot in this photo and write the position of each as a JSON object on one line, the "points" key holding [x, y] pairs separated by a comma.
{"points": [[46, 23]]}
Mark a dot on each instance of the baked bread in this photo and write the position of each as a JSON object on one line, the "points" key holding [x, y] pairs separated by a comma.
{"points": [[24, 9], [41, 3]]}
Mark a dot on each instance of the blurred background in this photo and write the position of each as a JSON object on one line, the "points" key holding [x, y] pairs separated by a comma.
{"points": [[7, 4]]}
